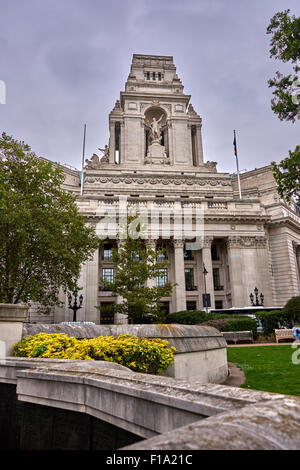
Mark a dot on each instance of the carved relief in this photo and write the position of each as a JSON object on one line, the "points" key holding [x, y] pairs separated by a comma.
{"points": [[246, 242]]}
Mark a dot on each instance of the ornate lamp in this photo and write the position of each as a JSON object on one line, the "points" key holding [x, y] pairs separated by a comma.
{"points": [[75, 306]]}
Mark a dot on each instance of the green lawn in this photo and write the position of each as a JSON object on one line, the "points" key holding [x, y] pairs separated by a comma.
{"points": [[268, 368]]}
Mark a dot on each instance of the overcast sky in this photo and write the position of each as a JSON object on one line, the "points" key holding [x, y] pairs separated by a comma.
{"points": [[64, 63]]}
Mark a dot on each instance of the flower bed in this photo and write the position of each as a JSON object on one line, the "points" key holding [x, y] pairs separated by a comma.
{"points": [[138, 354]]}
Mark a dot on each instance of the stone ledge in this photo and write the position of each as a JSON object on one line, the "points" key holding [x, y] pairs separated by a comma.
{"points": [[271, 425], [144, 404]]}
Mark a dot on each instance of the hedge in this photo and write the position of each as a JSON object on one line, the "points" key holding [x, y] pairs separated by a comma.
{"points": [[138, 354], [187, 317], [236, 323]]}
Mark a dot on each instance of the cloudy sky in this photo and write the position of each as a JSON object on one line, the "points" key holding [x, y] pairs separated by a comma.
{"points": [[64, 63]]}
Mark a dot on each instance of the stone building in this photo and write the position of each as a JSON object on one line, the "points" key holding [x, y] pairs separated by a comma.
{"points": [[154, 162]]}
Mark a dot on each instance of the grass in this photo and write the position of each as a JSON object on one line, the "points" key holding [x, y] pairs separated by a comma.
{"points": [[268, 368]]}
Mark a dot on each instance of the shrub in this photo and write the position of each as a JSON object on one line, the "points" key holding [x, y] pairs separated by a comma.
{"points": [[187, 317], [291, 311], [139, 354], [236, 323], [270, 320], [243, 323]]}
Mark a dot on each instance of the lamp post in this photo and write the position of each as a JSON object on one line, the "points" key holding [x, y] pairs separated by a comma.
{"points": [[75, 306], [256, 303], [205, 296]]}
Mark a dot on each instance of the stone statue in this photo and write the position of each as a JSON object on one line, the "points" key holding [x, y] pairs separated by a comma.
{"points": [[93, 163], [105, 157], [156, 128]]}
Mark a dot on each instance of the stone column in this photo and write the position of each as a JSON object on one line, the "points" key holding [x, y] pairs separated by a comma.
{"points": [[297, 255], [235, 271], [92, 289], [179, 289], [207, 261]]}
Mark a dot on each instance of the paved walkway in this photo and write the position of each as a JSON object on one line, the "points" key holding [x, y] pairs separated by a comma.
{"points": [[239, 345]]}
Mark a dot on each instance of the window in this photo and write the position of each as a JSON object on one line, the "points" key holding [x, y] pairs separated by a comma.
{"points": [[189, 279], [161, 256], [108, 274], [153, 75], [191, 305], [216, 277], [107, 253], [219, 304], [106, 313], [148, 75], [162, 277], [159, 76], [187, 254], [214, 253]]}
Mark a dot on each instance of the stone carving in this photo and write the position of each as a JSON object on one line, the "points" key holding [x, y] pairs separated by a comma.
{"points": [[156, 129], [178, 243], [246, 242], [212, 166], [93, 163], [158, 180], [105, 157]]}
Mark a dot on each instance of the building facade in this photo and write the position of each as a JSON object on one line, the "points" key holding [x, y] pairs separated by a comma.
{"points": [[154, 164]]}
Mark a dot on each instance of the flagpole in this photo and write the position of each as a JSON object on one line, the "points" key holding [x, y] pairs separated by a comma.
{"points": [[237, 165], [82, 164]]}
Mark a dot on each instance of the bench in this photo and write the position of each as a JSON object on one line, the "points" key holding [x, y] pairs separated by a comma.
{"points": [[284, 333], [236, 336]]}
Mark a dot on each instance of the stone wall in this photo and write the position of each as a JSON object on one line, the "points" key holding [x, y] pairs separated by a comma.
{"points": [[200, 350]]}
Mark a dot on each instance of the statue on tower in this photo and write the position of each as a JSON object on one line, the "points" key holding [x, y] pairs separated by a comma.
{"points": [[156, 129]]}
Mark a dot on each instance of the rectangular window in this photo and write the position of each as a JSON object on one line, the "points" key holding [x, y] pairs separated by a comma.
{"points": [[189, 279], [153, 75], [108, 274], [106, 313], [159, 76], [107, 252], [148, 75], [214, 253], [191, 305], [216, 277], [187, 254], [219, 304], [162, 277]]}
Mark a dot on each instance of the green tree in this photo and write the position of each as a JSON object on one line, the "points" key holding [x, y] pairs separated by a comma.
{"points": [[136, 261], [285, 46], [43, 238]]}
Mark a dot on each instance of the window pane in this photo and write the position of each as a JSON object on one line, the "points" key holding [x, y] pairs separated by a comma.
{"points": [[189, 278], [108, 274], [161, 279]]}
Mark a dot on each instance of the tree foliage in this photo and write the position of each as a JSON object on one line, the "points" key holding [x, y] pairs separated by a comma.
{"points": [[43, 238], [287, 175], [136, 262], [285, 46]]}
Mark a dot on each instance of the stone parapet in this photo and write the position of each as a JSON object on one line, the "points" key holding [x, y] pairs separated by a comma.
{"points": [[200, 350]]}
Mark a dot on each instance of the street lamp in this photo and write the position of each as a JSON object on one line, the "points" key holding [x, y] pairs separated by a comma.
{"points": [[256, 303], [205, 296], [75, 306]]}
